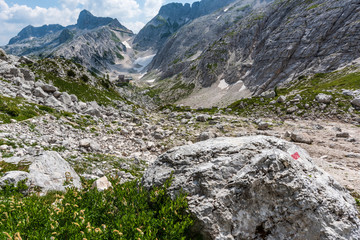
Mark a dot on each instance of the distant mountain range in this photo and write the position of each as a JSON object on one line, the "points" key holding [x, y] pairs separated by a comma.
{"points": [[95, 42], [232, 48]]}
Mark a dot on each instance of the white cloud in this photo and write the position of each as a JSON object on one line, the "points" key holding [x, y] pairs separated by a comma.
{"points": [[134, 26], [152, 7], [15, 17]]}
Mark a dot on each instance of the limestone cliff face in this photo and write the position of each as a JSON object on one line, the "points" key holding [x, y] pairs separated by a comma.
{"points": [[265, 46], [94, 42], [171, 18]]}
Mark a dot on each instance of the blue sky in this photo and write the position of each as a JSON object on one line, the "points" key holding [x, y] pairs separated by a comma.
{"points": [[17, 14]]}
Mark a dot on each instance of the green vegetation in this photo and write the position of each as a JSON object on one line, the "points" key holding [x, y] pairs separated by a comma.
{"points": [[308, 88], [119, 56], [313, 6], [126, 165], [321, 82], [18, 109], [7, 167], [114, 37], [103, 91], [177, 60], [85, 92], [127, 211]]}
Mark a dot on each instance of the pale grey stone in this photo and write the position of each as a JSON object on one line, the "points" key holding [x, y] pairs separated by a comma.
{"points": [[102, 184], [256, 188], [323, 98]]}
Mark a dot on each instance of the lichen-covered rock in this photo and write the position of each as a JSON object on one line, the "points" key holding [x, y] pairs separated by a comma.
{"points": [[51, 172], [257, 188]]}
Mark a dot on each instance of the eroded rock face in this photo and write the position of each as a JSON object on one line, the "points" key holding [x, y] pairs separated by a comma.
{"points": [[257, 188]]}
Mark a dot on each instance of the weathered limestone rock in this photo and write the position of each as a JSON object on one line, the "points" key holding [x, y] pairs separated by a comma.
{"points": [[66, 99], [49, 88], [102, 184], [281, 99], [300, 138], [257, 188], [28, 75], [53, 102], [323, 98], [3, 55], [38, 92], [356, 103], [205, 136], [51, 172], [202, 118]]}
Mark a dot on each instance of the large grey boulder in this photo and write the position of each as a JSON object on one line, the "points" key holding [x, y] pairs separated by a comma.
{"points": [[3, 55], [323, 98], [49, 88], [51, 172], [38, 92], [356, 103], [54, 103], [257, 188], [28, 75], [66, 99]]}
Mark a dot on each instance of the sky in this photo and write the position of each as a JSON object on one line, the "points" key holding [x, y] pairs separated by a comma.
{"points": [[17, 14]]}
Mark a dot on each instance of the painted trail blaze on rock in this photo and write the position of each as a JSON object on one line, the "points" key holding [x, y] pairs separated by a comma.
{"points": [[295, 156], [251, 188]]}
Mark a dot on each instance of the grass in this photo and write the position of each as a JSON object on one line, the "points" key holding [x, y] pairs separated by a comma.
{"points": [[126, 211], [308, 88], [135, 169], [18, 109], [103, 91], [7, 167]]}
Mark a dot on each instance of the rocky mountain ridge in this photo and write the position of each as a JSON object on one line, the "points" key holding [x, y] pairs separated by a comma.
{"points": [[172, 17], [264, 48], [95, 42]]}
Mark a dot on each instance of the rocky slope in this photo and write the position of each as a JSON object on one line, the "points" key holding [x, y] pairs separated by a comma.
{"points": [[263, 48], [95, 42], [58, 122], [171, 18]]}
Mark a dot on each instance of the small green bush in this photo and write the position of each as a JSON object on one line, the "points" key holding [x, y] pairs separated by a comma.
{"points": [[71, 73], [127, 211]]}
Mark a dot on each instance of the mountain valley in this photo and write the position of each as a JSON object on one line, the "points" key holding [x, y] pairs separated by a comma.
{"points": [[234, 119]]}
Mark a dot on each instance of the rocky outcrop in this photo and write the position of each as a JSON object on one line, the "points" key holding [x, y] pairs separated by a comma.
{"points": [[172, 17], [256, 188]]}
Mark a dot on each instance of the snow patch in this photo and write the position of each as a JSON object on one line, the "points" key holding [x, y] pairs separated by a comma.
{"points": [[218, 17], [223, 85], [143, 62], [151, 81], [127, 45], [226, 9], [242, 88]]}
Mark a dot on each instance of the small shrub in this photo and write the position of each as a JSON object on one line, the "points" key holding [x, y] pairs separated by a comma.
{"points": [[71, 73], [127, 211], [85, 78]]}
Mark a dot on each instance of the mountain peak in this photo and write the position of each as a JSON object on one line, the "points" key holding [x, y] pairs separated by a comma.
{"points": [[87, 20]]}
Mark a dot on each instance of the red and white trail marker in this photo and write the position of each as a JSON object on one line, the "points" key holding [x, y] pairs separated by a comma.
{"points": [[295, 156]]}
